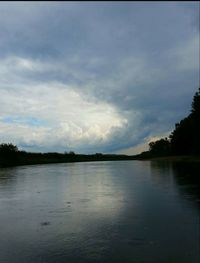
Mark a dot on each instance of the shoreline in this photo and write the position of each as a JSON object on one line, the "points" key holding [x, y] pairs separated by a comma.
{"points": [[185, 158]]}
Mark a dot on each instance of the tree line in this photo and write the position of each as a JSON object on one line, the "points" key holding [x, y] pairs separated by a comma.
{"points": [[10, 155], [185, 138]]}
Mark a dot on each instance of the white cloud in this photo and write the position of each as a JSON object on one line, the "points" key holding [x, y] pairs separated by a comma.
{"points": [[68, 117]]}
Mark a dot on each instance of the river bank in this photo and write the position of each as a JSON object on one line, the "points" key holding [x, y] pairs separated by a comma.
{"points": [[25, 158], [186, 158]]}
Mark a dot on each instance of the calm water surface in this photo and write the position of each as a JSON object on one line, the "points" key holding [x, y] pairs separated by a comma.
{"points": [[127, 211]]}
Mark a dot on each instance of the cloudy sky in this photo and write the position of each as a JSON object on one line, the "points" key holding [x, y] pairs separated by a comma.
{"points": [[95, 76]]}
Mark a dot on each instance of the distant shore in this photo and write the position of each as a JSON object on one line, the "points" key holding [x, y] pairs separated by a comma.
{"points": [[11, 156], [185, 158], [24, 158], [93, 158]]}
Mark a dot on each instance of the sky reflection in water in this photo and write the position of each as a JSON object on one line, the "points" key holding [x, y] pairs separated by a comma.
{"points": [[126, 211]]}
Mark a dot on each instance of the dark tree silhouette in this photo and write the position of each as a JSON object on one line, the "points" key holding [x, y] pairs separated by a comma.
{"points": [[7, 148], [160, 147], [8, 154], [196, 104], [185, 139]]}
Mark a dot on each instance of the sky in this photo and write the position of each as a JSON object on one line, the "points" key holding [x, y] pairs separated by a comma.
{"points": [[96, 76]]}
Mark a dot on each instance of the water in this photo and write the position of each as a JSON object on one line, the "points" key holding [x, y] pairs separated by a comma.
{"points": [[127, 211]]}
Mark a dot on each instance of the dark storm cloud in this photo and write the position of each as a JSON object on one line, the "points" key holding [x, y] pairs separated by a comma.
{"points": [[131, 65]]}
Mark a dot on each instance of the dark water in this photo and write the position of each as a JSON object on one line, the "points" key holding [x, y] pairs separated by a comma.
{"points": [[127, 211]]}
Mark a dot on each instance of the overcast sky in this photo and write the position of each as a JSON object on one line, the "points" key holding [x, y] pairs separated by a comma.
{"points": [[95, 76]]}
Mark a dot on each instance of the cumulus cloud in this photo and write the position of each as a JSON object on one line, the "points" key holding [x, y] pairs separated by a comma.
{"points": [[95, 76], [55, 115]]}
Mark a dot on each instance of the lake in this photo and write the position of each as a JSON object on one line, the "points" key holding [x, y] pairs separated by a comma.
{"points": [[120, 211]]}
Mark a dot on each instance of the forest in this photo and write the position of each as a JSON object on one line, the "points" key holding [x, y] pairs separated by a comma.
{"points": [[184, 139]]}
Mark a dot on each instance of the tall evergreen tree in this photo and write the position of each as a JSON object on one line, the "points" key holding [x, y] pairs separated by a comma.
{"points": [[185, 139]]}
